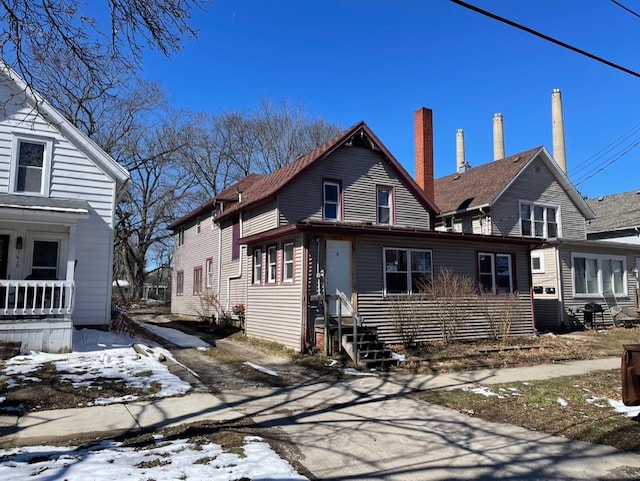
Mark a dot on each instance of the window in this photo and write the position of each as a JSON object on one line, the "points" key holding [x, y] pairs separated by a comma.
{"points": [[384, 201], [197, 281], [44, 263], [257, 266], [180, 236], [331, 201], [31, 173], [538, 221], [198, 226], [210, 273], [595, 275], [537, 262], [406, 270], [272, 264], [287, 262], [495, 273], [180, 283]]}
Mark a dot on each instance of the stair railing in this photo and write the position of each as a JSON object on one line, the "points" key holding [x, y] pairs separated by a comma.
{"points": [[357, 321]]}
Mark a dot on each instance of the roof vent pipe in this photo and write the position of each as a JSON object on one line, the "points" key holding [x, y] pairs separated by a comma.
{"points": [[557, 130], [498, 137], [461, 163]]}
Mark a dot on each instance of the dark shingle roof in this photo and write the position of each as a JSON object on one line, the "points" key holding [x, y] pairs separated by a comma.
{"points": [[43, 203], [615, 212], [481, 185]]}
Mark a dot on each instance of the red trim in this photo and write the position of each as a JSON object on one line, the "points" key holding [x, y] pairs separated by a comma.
{"points": [[179, 285]]}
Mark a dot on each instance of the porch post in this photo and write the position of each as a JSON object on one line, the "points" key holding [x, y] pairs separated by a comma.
{"points": [[71, 252]]}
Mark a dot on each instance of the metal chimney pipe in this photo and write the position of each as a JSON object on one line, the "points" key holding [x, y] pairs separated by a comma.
{"points": [[557, 130], [461, 163], [498, 137]]}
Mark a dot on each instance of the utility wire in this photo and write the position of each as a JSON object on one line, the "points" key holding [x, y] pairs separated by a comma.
{"points": [[625, 8], [545, 37]]}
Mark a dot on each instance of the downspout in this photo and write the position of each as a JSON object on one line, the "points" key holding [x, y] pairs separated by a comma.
{"points": [[556, 251], [305, 296], [237, 276]]}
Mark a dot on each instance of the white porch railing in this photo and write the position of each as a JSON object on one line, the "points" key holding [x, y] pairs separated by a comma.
{"points": [[36, 297]]}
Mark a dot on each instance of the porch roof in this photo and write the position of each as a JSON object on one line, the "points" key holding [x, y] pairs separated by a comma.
{"points": [[28, 207]]}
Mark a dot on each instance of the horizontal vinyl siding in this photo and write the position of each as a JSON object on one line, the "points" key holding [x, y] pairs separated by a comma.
{"points": [[260, 220], [359, 170], [538, 187], [375, 309]]}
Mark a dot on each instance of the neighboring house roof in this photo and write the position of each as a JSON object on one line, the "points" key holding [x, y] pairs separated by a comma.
{"points": [[103, 160], [262, 189], [483, 185], [615, 212]]}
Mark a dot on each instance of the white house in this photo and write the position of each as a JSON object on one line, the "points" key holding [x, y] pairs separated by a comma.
{"points": [[58, 193]]}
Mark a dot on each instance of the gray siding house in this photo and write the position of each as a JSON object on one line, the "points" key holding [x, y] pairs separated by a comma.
{"points": [[345, 219], [58, 193]]}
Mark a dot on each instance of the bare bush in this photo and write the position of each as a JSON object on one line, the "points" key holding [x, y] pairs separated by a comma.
{"points": [[209, 308], [452, 295], [500, 312], [406, 315]]}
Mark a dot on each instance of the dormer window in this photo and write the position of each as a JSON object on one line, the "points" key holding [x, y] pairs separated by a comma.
{"points": [[537, 220], [31, 163], [331, 201]]}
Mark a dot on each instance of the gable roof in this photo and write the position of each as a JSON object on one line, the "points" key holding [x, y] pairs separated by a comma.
{"points": [[104, 161], [263, 189], [483, 185], [615, 212]]}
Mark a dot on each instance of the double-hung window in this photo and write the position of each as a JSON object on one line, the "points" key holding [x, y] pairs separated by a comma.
{"points": [[495, 272], [406, 271], [44, 263], [197, 281], [31, 166], [537, 220], [384, 204], [597, 275], [287, 262], [272, 264], [210, 272], [180, 283], [180, 236], [331, 200], [257, 266]]}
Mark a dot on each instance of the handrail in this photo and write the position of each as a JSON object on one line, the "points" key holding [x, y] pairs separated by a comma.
{"points": [[36, 297]]}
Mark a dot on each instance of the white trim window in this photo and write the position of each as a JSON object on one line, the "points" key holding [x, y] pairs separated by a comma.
{"points": [[257, 266], [210, 272], [539, 220], [31, 166], [384, 204], [287, 262], [272, 264], [495, 273], [537, 262], [406, 270], [596, 275], [331, 200]]}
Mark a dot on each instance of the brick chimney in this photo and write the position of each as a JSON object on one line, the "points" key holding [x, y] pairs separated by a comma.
{"points": [[423, 120]]}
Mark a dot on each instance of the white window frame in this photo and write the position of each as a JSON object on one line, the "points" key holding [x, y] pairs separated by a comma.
{"points": [[599, 258], [210, 272], [388, 268], [389, 206], [287, 262], [46, 164], [272, 264], [540, 256], [257, 266], [545, 221], [494, 272], [325, 202]]}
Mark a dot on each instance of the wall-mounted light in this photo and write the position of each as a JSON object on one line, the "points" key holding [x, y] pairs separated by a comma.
{"points": [[19, 243]]}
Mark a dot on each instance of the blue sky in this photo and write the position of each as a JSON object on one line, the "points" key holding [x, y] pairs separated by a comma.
{"points": [[379, 61]]}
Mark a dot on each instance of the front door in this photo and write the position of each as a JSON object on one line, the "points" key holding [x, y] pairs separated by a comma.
{"points": [[338, 272], [4, 253]]}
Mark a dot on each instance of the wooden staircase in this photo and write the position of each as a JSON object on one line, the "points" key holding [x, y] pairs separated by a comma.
{"points": [[366, 350]]}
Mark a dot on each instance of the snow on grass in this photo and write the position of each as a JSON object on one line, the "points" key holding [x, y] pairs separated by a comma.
{"points": [[177, 337], [354, 372], [257, 367], [167, 460]]}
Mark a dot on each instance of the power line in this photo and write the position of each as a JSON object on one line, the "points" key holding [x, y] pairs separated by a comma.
{"points": [[545, 37], [625, 8]]}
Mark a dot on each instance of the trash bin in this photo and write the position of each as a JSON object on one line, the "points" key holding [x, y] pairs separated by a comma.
{"points": [[630, 370]]}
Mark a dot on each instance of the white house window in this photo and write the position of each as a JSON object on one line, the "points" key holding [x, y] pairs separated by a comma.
{"points": [[257, 266], [495, 273], [210, 272], [180, 236], [287, 264], [537, 262], [44, 264], [272, 258], [385, 205], [406, 270], [31, 166], [595, 275], [538, 220], [331, 201]]}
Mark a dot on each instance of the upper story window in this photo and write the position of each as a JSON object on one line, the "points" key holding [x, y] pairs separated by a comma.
{"points": [[384, 202], [180, 236], [495, 272], [406, 271], [31, 164], [538, 220], [198, 225], [331, 201]]}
